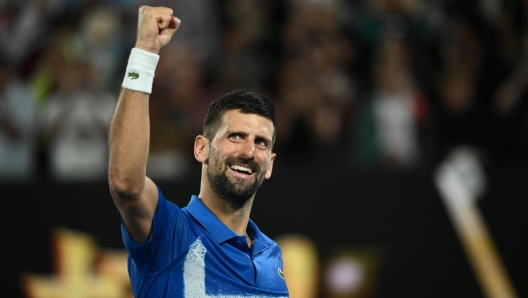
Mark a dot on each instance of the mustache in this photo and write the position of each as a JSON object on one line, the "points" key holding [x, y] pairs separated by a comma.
{"points": [[243, 161]]}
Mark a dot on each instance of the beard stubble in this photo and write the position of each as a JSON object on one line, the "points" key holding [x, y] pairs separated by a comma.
{"points": [[235, 193]]}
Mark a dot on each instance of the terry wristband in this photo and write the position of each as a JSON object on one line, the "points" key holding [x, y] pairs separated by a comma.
{"points": [[140, 71]]}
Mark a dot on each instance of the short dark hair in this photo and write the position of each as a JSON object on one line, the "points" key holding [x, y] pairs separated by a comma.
{"points": [[247, 102]]}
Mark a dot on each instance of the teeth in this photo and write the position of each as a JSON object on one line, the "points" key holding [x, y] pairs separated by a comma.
{"points": [[239, 168]]}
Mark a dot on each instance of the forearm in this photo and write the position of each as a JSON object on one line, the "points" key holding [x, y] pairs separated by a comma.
{"points": [[129, 143]]}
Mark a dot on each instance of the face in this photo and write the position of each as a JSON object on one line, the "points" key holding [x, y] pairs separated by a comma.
{"points": [[239, 157]]}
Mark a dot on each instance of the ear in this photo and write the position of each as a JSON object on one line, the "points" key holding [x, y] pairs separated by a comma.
{"points": [[270, 167], [201, 148]]}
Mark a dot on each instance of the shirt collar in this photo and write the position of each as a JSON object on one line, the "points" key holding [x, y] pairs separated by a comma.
{"points": [[220, 232], [260, 242], [209, 221]]}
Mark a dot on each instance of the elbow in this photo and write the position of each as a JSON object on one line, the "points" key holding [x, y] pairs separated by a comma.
{"points": [[124, 188]]}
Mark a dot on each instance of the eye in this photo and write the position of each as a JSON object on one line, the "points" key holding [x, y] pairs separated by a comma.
{"points": [[235, 136], [261, 143]]}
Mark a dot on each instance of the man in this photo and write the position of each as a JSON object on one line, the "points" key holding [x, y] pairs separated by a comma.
{"points": [[210, 248]]}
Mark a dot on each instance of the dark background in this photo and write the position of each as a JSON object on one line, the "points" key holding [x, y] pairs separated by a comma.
{"points": [[398, 212], [324, 65]]}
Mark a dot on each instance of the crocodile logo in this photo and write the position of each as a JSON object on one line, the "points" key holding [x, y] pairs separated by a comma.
{"points": [[133, 75], [281, 274]]}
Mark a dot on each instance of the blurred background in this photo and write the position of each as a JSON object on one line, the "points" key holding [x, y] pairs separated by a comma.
{"points": [[402, 139]]}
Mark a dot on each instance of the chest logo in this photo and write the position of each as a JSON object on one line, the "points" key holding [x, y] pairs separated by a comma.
{"points": [[281, 274]]}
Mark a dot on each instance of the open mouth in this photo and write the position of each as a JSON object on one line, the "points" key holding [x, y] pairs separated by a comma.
{"points": [[241, 169]]}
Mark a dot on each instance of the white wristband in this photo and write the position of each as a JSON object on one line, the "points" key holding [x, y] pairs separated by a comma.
{"points": [[140, 71]]}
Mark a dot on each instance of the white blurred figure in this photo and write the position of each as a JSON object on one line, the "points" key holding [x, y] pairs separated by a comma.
{"points": [[17, 128], [101, 36], [76, 120], [394, 114]]}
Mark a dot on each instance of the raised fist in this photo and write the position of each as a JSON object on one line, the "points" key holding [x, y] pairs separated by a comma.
{"points": [[156, 26]]}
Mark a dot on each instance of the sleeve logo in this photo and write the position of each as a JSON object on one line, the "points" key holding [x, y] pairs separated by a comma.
{"points": [[133, 75]]}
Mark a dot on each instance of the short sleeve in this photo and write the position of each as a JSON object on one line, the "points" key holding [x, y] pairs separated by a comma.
{"points": [[168, 237]]}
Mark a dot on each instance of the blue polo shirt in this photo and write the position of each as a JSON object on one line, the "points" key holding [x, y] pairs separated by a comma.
{"points": [[191, 254]]}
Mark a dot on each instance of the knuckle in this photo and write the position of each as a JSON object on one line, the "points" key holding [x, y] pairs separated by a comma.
{"points": [[144, 10]]}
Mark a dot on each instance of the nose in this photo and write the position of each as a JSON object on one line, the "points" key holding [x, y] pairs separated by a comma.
{"points": [[248, 149]]}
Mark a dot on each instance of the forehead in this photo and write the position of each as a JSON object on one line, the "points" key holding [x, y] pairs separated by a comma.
{"points": [[234, 120]]}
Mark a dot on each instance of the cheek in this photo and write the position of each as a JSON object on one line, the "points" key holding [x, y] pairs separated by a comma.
{"points": [[225, 148], [212, 158], [266, 162]]}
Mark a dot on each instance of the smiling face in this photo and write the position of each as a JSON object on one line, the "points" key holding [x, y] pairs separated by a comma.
{"points": [[239, 157]]}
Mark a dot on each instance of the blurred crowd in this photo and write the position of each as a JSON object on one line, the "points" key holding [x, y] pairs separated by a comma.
{"points": [[367, 83]]}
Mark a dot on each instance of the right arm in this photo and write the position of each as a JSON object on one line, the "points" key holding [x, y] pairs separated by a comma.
{"points": [[134, 194]]}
